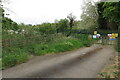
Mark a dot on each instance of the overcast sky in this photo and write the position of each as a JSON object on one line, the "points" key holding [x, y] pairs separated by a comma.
{"points": [[39, 11]]}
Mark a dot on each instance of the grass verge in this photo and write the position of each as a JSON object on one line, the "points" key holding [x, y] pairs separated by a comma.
{"points": [[20, 54], [111, 70]]}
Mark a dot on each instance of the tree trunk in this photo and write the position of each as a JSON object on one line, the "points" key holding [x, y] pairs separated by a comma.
{"points": [[71, 25]]}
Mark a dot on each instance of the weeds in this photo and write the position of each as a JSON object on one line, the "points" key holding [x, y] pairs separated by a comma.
{"points": [[16, 56], [21, 46]]}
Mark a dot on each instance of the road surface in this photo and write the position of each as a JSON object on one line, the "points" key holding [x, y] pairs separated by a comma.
{"points": [[81, 63]]}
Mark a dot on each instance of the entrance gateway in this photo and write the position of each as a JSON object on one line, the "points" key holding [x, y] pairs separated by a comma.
{"points": [[107, 38]]}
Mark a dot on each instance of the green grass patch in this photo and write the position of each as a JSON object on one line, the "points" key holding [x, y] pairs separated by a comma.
{"points": [[117, 46], [19, 52], [0, 64], [62, 46], [16, 56]]}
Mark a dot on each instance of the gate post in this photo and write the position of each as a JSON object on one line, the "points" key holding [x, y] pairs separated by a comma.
{"points": [[103, 40]]}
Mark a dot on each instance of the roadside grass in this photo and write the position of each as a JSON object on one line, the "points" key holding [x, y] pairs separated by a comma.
{"points": [[13, 57], [20, 53], [64, 45], [118, 49], [112, 70], [0, 64], [117, 46]]}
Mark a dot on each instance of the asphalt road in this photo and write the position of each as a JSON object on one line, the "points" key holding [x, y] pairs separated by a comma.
{"points": [[81, 63]]}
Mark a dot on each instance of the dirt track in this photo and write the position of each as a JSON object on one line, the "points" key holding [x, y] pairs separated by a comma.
{"points": [[64, 65]]}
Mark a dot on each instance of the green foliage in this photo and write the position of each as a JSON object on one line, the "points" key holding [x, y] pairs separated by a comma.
{"points": [[40, 49], [63, 26], [109, 15], [84, 38], [62, 46], [117, 73], [118, 49], [46, 28], [105, 75], [0, 64], [102, 22], [8, 24], [1, 12], [112, 11], [117, 46], [13, 57], [89, 16], [71, 18], [65, 44]]}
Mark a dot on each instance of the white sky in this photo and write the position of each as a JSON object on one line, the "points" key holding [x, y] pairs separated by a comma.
{"points": [[39, 11]]}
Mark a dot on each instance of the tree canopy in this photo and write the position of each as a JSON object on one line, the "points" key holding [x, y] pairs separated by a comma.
{"points": [[112, 11]]}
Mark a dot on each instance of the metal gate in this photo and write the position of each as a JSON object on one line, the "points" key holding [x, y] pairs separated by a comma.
{"points": [[106, 41]]}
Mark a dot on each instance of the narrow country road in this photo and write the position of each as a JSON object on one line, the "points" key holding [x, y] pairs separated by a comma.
{"points": [[81, 63]]}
